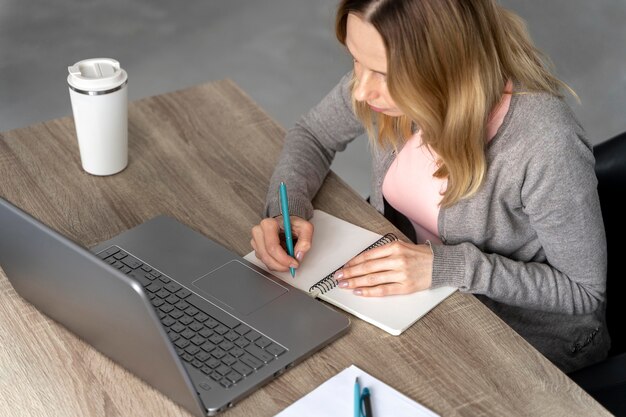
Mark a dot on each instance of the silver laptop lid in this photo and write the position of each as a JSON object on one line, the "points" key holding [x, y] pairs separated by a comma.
{"points": [[93, 300]]}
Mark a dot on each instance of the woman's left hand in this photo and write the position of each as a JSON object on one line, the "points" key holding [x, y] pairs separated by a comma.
{"points": [[395, 268]]}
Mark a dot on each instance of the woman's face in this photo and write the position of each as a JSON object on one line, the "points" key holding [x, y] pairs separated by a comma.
{"points": [[370, 66]]}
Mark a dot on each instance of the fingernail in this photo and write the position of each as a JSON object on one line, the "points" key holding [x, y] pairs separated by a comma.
{"points": [[358, 292], [293, 265], [339, 275], [299, 255], [343, 284]]}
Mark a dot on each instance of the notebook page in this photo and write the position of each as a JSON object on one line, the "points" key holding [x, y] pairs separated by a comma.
{"points": [[335, 397], [335, 242]]}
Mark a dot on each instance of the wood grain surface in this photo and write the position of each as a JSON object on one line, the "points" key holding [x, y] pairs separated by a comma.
{"points": [[204, 155]]}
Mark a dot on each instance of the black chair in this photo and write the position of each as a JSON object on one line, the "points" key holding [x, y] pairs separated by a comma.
{"points": [[606, 381]]}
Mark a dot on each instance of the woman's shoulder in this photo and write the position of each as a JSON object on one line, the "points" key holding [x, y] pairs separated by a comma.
{"points": [[543, 122]]}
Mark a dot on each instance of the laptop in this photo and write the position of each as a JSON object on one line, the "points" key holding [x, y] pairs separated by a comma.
{"points": [[191, 318]]}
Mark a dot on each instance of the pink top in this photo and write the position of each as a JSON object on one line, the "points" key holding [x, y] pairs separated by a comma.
{"points": [[409, 185]]}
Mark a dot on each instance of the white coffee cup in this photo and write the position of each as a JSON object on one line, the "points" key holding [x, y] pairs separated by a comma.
{"points": [[99, 96]]}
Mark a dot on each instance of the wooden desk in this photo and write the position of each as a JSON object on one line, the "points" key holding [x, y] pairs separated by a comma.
{"points": [[204, 155]]}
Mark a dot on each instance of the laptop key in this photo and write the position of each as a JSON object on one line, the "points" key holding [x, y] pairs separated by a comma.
{"points": [[223, 369], [242, 368], [110, 251], [211, 323], [206, 370], [176, 313], [198, 340], [275, 349], [168, 321], [208, 346], [231, 335], [196, 327], [259, 353], [251, 361], [242, 342], [146, 268], [201, 317], [216, 376], [236, 352], [186, 320], [157, 302], [242, 329], [225, 383], [178, 327], [221, 329], [183, 293], [252, 335], [166, 308], [226, 345], [163, 293], [119, 255], [212, 363], [205, 332], [172, 299], [202, 356], [233, 377], [192, 349], [131, 262], [181, 305], [173, 287], [228, 360], [188, 334], [182, 343], [191, 311], [263, 342], [153, 287], [218, 353]]}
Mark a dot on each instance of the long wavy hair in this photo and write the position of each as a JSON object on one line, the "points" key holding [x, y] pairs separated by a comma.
{"points": [[448, 62]]}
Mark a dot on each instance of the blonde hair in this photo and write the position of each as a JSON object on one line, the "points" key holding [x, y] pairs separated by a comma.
{"points": [[448, 62]]}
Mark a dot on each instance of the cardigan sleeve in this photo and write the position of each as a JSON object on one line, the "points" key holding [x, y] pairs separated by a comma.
{"points": [[309, 149]]}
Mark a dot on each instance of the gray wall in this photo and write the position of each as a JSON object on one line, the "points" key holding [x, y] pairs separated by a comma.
{"points": [[281, 52]]}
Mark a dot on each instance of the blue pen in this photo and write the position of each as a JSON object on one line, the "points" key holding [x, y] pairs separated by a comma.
{"points": [[357, 397], [284, 210], [367, 404]]}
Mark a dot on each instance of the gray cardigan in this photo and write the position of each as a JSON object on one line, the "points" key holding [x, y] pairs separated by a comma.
{"points": [[530, 243]]}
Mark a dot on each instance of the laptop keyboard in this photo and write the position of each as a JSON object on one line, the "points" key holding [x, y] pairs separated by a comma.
{"points": [[219, 345]]}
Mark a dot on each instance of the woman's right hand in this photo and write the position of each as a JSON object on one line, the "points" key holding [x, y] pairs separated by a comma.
{"points": [[267, 246]]}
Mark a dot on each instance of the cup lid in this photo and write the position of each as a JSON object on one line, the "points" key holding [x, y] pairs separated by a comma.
{"points": [[96, 74]]}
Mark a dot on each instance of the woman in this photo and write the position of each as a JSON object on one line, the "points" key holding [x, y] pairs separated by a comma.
{"points": [[473, 143]]}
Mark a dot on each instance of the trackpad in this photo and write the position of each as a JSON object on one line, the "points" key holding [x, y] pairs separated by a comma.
{"points": [[239, 286]]}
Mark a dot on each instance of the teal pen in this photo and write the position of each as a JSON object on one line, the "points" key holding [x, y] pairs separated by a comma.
{"points": [[357, 397], [284, 210]]}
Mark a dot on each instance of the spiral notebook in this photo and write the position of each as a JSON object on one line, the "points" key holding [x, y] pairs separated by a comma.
{"points": [[335, 242]]}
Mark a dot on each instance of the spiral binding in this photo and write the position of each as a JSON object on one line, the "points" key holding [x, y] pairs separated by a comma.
{"points": [[328, 282]]}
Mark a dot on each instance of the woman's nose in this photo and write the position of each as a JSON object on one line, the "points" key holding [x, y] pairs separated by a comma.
{"points": [[365, 88]]}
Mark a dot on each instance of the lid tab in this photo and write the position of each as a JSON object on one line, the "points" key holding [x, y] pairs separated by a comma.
{"points": [[96, 74]]}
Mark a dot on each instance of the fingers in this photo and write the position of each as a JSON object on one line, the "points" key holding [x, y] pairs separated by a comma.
{"points": [[395, 268], [304, 231], [266, 244]]}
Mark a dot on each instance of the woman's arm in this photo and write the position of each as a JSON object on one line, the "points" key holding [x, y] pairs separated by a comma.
{"points": [[309, 149], [559, 196]]}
